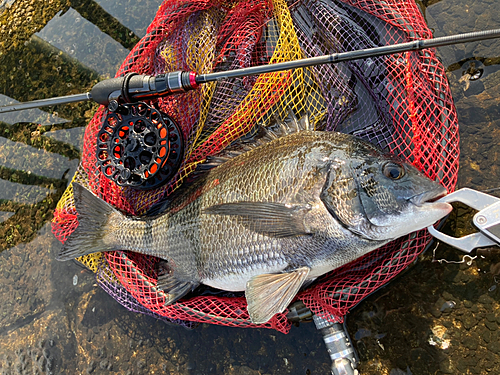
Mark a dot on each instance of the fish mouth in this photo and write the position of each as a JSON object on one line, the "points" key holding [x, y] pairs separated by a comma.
{"points": [[431, 198]]}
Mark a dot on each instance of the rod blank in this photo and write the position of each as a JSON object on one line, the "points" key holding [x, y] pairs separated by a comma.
{"points": [[352, 55], [46, 102], [302, 63]]}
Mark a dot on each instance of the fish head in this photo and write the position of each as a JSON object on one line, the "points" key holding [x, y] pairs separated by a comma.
{"points": [[378, 196]]}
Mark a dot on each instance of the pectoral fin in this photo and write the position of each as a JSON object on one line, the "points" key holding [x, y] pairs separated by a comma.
{"points": [[271, 219], [270, 294]]}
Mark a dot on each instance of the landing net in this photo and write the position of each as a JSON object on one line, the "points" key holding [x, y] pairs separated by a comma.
{"points": [[401, 102]]}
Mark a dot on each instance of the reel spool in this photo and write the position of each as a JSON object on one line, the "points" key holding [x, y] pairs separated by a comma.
{"points": [[138, 146]]}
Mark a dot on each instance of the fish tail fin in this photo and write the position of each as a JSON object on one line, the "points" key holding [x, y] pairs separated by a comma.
{"points": [[88, 237]]}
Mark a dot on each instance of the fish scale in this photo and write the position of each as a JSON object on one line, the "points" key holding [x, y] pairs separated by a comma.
{"points": [[287, 210]]}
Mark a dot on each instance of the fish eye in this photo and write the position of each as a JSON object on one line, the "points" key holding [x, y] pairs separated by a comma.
{"points": [[393, 171]]}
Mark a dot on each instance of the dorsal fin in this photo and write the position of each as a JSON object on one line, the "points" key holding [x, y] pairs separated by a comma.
{"points": [[258, 136]]}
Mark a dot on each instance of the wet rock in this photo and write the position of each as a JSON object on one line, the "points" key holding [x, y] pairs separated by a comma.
{"points": [[494, 347], [50, 363], [471, 360], [419, 354], [492, 326], [471, 341], [436, 308], [141, 364], [104, 364], [91, 367], [485, 334], [447, 296], [168, 367], [420, 357], [447, 323], [461, 366], [489, 361], [470, 291], [468, 304], [42, 363], [468, 321], [492, 81], [242, 370], [485, 299], [101, 352], [90, 335], [398, 371], [446, 367], [491, 317]]}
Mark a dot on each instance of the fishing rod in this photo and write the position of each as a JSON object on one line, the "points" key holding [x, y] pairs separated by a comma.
{"points": [[134, 87]]}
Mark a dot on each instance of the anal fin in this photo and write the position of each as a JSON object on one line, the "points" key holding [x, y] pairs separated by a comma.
{"points": [[270, 294], [170, 284]]}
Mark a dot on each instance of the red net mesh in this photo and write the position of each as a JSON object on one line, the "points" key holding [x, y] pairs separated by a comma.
{"points": [[401, 102]]}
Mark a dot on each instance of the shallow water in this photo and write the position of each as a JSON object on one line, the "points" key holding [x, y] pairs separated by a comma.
{"points": [[436, 318]]}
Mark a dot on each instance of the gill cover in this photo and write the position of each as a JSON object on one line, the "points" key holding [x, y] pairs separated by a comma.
{"points": [[340, 197], [383, 195], [378, 196]]}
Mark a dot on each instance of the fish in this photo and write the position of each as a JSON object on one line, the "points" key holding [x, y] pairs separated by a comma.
{"points": [[270, 218]]}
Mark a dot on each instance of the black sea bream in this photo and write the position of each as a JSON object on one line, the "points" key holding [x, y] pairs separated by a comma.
{"points": [[271, 218]]}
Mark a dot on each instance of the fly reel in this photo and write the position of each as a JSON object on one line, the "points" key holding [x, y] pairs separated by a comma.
{"points": [[138, 146]]}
